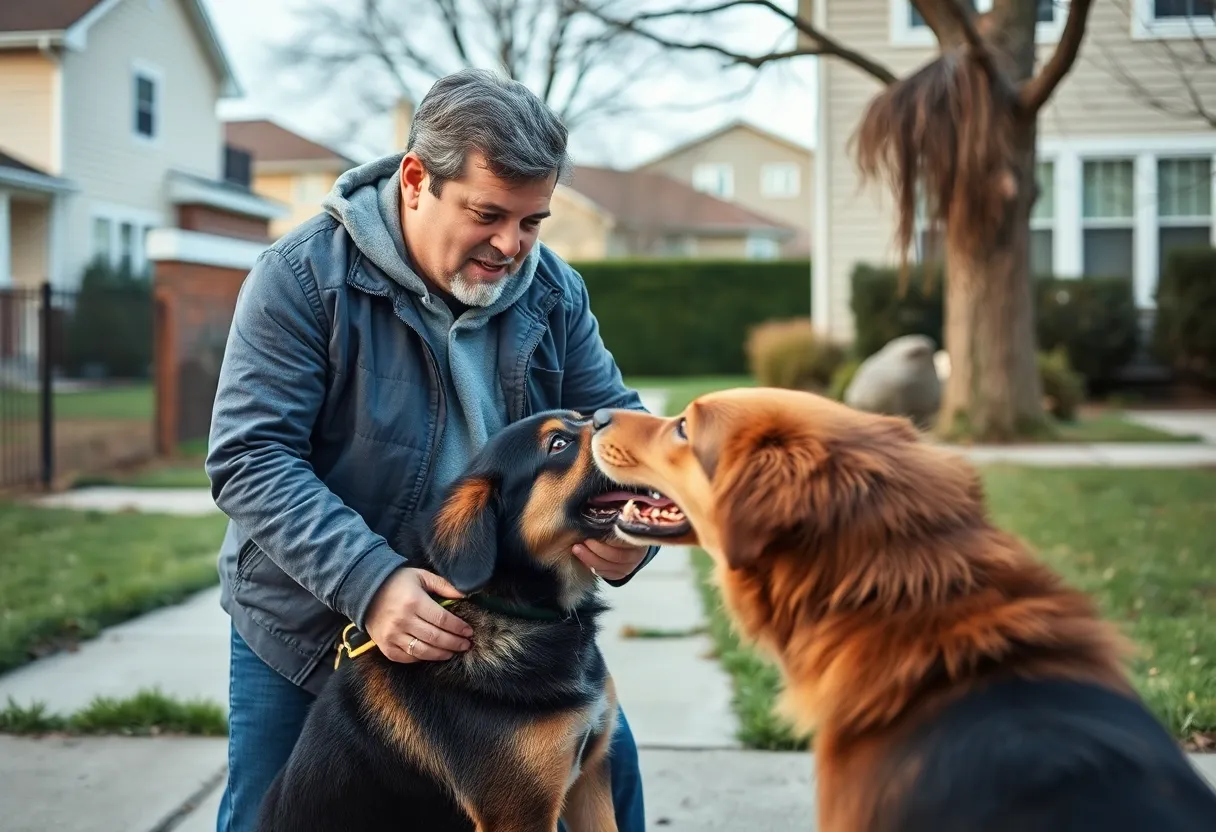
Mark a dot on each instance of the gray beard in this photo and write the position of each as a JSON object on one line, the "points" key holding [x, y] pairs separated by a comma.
{"points": [[472, 293]]}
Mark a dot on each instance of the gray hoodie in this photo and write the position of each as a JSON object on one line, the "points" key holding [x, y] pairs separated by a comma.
{"points": [[367, 201]]}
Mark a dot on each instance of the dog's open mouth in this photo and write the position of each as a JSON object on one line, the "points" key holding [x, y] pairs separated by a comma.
{"points": [[641, 512]]}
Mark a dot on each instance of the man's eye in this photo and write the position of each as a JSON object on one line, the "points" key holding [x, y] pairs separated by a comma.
{"points": [[557, 443], [486, 218]]}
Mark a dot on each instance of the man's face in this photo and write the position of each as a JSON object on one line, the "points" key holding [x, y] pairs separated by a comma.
{"points": [[476, 233]]}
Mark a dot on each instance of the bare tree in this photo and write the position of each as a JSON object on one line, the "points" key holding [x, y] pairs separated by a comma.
{"points": [[1186, 88], [382, 51], [961, 131]]}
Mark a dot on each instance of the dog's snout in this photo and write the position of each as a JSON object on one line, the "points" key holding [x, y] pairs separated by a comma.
{"points": [[601, 419]]}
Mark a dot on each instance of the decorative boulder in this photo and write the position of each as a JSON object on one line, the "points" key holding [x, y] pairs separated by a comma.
{"points": [[901, 379]]}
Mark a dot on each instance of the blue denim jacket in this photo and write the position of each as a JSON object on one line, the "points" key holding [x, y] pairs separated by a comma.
{"points": [[325, 420]]}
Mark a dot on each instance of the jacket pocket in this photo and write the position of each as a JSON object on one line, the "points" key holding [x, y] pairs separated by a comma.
{"points": [[544, 389], [247, 559]]}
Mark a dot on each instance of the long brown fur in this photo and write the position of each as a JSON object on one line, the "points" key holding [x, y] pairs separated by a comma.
{"points": [[862, 559]]}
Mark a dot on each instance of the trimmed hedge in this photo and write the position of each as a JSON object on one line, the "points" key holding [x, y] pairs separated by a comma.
{"points": [[1184, 334], [1094, 320], [690, 317]]}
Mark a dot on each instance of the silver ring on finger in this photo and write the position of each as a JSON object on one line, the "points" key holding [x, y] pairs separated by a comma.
{"points": [[409, 651]]}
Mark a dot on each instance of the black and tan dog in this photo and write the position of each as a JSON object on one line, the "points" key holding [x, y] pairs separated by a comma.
{"points": [[514, 733]]}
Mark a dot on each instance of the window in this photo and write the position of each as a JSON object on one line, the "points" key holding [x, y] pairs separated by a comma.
{"points": [[145, 105], [1182, 9], [101, 240], [1107, 214], [780, 180], [126, 247], [713, 178], [915, 21], [761, 247], [1184, 204], [908, 27], [1042, 221]]}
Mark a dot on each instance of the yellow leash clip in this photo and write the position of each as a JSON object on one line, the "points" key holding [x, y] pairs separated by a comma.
{"points": [[346, 645]]}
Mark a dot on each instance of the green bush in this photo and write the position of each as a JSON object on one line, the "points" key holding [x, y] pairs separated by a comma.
{"points": [[842, 378], [1093, 319], [786, 353], [1063, 387], [881, 312], [690, 317], [1184, 334], [108, 331]]}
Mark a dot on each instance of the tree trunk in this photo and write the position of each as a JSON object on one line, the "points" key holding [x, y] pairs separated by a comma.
{"points": [[994, 393]]}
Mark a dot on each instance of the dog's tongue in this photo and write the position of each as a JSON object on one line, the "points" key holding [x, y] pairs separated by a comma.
{"points": [[614, 497]]}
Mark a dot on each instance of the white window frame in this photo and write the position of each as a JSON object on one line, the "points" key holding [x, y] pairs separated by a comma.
{"points": [[1048, 223], [903, 34], [725, 174], [760, 246], [784, 172], [140, 69], [1127, 223], [141, 223], [1146, 26]]}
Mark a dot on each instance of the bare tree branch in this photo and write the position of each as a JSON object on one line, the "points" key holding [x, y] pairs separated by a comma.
{"points": [[1036, 92], [963, 16], [822, 44]]}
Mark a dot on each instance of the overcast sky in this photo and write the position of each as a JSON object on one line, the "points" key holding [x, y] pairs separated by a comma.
{"points": [[782, 99]]}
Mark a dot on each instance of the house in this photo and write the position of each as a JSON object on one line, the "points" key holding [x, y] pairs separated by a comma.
{"points": [[607, 213], [1120, 181], [756, 169], [287, 167], [110, 146]]}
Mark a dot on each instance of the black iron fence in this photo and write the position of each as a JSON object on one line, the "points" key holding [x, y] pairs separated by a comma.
{"points": [[75, 379]]}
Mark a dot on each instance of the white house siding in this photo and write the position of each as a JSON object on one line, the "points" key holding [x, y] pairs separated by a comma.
{"points": [[27, 85], [121, 175], [1092, 115]]}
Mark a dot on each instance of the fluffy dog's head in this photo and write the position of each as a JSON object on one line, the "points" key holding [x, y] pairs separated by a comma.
{"points": [[762, 471], [512, 517]]}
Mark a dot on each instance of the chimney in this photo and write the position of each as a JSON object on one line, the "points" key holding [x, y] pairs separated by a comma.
{"points": [[403, 117]]}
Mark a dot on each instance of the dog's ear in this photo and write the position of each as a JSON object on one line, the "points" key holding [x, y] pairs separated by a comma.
{"points": [[763, 490], [462, 542]]}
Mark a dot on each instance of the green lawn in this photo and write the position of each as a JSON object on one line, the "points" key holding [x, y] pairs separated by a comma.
{"points": [[66, 574], [1141, 541], [133, 401]]}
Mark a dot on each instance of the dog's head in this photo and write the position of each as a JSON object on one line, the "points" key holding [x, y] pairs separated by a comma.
{"points": [[756, 471], [521, 504]]}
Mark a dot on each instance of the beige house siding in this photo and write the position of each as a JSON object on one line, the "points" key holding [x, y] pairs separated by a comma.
{"points": [[1093, 115], [27, 89], [747, 152], [29, 224], [301, 192], [577, 229], [121, 174]]}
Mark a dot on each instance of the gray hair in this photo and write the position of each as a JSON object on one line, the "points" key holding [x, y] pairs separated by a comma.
{"points": [[477, 110]]}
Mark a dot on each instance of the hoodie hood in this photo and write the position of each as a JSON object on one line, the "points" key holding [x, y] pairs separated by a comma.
{"points": [[367, 201]]}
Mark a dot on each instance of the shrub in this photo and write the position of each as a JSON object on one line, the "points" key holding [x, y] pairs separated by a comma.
{"points": [[1184, 334], [842, 378], [690, 317], [1093, 319], [786, 353], [108, 332], [1063, 387]]}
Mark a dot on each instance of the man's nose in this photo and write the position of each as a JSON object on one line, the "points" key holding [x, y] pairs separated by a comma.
{"points": [[601, 419], [507, 243]]}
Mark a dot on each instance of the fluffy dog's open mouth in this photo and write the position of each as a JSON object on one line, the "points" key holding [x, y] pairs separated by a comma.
{"points": [[641, 512]]}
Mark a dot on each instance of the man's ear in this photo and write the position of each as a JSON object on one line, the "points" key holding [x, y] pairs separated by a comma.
{"points": [[463, 534], [763, 494]]}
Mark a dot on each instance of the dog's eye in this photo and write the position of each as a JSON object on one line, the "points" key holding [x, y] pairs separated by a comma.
{"points": [[558, 443], [680, 429]]}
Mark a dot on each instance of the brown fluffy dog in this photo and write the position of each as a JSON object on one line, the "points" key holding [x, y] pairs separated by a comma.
{"points": [[952, 680]]}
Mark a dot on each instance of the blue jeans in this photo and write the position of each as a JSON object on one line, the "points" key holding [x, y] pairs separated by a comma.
{"points": [[266, 715]]}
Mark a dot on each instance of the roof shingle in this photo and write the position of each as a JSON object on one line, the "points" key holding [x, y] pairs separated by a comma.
{"points": [[268, 142], [42, 16]]}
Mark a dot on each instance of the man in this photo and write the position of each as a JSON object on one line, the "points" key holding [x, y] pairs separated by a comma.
{"points": [[372, 351]]}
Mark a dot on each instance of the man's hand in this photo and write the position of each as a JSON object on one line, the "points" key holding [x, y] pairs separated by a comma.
{"points": [[408, 625], [609, 561]]}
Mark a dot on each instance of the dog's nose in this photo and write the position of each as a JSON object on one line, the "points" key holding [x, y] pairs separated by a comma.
{"points": [[601, 418]]}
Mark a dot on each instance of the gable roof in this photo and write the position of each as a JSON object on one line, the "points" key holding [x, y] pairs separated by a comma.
{"points": [[67, 22], [735, 124], [273, 145], [21, 174], [641, 200]]}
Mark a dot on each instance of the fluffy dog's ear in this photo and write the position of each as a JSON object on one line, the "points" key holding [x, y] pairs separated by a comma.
{"points": [[764, 493], [463, 534]]}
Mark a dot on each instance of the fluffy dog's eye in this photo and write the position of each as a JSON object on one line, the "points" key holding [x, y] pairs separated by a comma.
{"points": [[557, 443], [680, 428]]}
